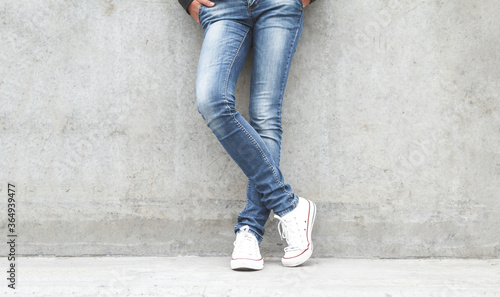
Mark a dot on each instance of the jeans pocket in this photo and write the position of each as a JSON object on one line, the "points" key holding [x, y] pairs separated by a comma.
{"points": [[200, 12]]}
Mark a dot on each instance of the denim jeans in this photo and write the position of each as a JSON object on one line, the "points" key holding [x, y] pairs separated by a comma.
{"points": [[232, 27]]}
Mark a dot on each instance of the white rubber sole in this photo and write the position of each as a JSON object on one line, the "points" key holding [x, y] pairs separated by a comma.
{"points": [[300, 259], [247, 264]]}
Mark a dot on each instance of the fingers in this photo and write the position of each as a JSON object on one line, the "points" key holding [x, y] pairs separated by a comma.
{"points": [[194, 8], [206, 2]]}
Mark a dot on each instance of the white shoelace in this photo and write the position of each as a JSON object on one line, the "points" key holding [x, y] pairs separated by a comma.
{"points": [[291, 232], [247, 242]]}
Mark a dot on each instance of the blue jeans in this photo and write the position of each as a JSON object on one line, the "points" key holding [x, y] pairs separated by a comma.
{"points": [[232, 28]]}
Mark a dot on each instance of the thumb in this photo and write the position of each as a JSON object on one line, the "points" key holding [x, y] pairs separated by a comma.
{"points": [[206, 2]]}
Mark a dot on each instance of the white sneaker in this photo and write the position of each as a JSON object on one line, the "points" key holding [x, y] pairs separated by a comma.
{"points": [[296, 227], [246, 253]]}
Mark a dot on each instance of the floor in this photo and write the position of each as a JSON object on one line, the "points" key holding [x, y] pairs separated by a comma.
{"points": [[195, 276]]}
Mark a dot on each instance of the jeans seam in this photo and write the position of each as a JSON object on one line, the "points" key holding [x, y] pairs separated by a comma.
{"points": [[283, 81], [241, 127]]}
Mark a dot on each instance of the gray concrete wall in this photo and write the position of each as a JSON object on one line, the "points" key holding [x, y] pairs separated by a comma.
{"points": [[391, 118]]}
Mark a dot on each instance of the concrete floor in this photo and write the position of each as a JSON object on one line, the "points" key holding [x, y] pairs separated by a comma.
{"points": [[195, 276]]}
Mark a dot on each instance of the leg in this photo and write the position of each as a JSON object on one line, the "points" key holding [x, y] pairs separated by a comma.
{"points": [[220, 63], [223, 53], [276, 35]]}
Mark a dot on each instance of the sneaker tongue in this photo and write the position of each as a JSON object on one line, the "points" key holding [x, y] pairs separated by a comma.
{"points": [[247, 237]]}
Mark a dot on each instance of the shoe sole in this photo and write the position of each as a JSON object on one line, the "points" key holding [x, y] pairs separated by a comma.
{"points": [[298, 260], [247, 264]]}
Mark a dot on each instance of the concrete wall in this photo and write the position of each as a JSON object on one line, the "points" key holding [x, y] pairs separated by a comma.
{"points": [[391, 117]]}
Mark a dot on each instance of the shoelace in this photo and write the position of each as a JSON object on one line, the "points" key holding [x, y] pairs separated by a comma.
{"points": [[246, 241], [291, 233]]}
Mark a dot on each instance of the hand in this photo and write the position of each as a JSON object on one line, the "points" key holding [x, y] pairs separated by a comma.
{"points": [[306, 2], [194, 7]]}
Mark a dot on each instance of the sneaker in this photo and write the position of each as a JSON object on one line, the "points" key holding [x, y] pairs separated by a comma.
{"points": [[296, 227], [246, 253]]}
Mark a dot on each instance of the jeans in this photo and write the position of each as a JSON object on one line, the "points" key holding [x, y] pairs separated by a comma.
{"points": [[232, 27]]}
